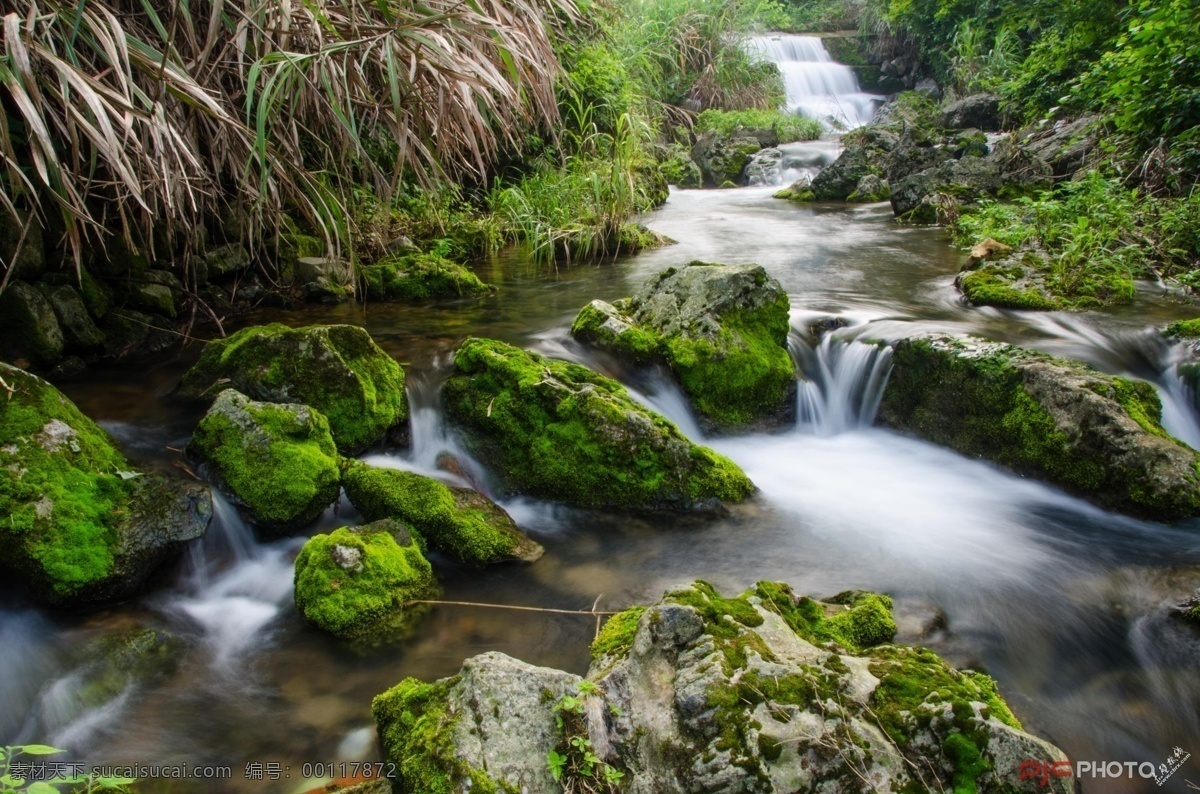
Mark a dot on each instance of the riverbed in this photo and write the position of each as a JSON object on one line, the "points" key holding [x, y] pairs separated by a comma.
{"points": [[1062, 602]]}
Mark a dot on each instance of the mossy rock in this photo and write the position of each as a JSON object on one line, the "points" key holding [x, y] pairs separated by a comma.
{"points": [[1183, 329], [799, 191], [870, 189], [112, 664], [764, 691], [721, 329], [1096, 435], [417, 277], [358, 583], [990, 286], [459, 522], [336, 369], [557, 430], [277, 461], [28, 327], [83, 526], [79, 331]]}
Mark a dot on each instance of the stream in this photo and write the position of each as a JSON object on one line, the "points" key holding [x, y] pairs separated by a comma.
{"points": [[1061, 601]]}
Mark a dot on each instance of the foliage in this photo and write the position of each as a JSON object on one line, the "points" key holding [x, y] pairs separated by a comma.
{"points": [[139, 116], [1097, 234], [789, 126], [12, 782], [574, 763]]}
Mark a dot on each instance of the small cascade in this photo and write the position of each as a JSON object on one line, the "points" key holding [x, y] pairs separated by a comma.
{"points": [[844, 384], [816, 85]]}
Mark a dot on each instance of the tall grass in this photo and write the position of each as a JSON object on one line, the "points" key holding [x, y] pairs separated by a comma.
{"points": [[127, 117]]}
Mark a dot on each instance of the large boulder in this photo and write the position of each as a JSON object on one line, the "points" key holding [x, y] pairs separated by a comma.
{"points": [[79, 331], [977, 111], [28, 328], [560, 431], [415, 277], [1064, 146], [1096, 435], [765, 692], [723, 158], [82, 526], [336, 369], [277, 461], [722, 330], [459, 522], [917, 198], [764, 167], [358, 583]]}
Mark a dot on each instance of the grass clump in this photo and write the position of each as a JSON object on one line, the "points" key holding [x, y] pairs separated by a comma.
{"points": [[790, 127]]}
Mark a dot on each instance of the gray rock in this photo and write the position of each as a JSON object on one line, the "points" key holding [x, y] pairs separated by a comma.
{"points": [[79, 331], [152, 298], [981, 111], [1064, 146], [30, 329], [722, 159], [703, 694], [929, 88], [917, 198], [225, 260], [324, 279], [1096, 435], [764, 167], [870, 189]]}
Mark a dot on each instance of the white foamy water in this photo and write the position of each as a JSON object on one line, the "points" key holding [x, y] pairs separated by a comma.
{"points": [[815, 85]]}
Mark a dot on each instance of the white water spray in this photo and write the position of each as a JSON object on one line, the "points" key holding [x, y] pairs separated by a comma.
{"points": [[816, 85]]}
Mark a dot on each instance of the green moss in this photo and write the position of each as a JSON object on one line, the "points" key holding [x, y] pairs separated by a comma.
{"points": [[278, 461], [336, 369], [560, 431], [62, 491], [1184, 329], [1140, 401], [723, 619], [616, 636], [745, 373], [458, 522], [910, 678], [632, 343], [797, 194], [968, 762], [988, 288], [865, 621], [418, 277], [356, 583]]}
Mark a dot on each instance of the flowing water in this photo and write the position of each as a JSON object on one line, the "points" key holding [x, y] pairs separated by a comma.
{"points": [[1059, 600], [816, 86]]}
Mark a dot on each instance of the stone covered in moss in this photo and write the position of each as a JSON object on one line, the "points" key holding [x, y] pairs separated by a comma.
{"points": [[82, 525], [277, 461], [1183, 329], [459, 522], [336, 369], [416, 277], [28, 328], [560, 431], [721, 329], [1096, 435], [763, 692], [870, 188], [357, 582]]}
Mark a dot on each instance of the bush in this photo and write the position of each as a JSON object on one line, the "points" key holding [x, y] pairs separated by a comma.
{"points": [[789, 126]]}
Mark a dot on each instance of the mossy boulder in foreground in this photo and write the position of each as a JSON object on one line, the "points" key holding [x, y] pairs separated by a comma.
{"points": [[336, 369], [415, 277], [277, 461], [1096, 435], [357, 582], [459, 522], [765, 692], [722, 329], [81, 524], [560, 431]]}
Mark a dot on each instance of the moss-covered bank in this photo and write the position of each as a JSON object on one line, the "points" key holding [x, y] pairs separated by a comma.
{"points": [[560, 431]]}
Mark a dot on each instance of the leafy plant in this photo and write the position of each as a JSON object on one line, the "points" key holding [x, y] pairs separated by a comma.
{"points": [[12, 782], [574, 762]]}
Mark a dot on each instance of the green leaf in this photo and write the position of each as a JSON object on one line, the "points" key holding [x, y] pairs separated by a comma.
{"points": [[39, 749], [41, 787]]}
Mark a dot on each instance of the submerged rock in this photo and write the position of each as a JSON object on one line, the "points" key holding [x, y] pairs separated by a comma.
{"points": [[765, 692], [1098, 436], [560, 431], [277, 461], [336, 369], [83, 526], [459, 522], [357, 582], [722, 330], [417, 277]]}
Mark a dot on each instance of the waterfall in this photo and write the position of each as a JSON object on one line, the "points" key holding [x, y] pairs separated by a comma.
{"points": [[844, 384], [816, 85]]}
